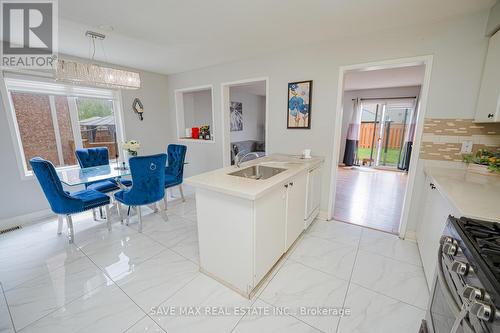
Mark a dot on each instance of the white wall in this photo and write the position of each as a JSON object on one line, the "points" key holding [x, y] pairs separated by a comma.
{"points": [[22, 197], [369, 93], [458, 47], [197, 108], [254, 115]]}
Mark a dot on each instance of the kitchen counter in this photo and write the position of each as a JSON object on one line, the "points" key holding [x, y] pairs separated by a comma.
{"points": [[220, 181], [473, 195], [246, 225]]}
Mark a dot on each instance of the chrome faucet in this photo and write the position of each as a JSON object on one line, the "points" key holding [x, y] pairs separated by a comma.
{"points": [[238, 160]]}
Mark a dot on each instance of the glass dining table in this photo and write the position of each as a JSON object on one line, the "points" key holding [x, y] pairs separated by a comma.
{"points": [[81, 176]]}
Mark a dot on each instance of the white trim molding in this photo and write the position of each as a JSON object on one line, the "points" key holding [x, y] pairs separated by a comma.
{"points": [[33, 84], [226, 149], [385, 64], [179, 113]]}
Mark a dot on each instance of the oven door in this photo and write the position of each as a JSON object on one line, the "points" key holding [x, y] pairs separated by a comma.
{"points": [[444, 307]]}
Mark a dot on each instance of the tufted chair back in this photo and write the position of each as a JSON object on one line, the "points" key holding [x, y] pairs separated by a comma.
{"points": [[176, 157], [60, 202], [148, 180], [90, 157]]}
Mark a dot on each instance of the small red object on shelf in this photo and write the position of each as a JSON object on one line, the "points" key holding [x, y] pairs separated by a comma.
{"points": [[195, 131]]}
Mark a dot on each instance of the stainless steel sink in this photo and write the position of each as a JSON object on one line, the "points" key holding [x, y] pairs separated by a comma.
{"points": [[257, 172]]}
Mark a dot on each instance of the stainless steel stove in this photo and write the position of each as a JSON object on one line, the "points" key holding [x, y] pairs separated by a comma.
{"points": [[466, 294]]}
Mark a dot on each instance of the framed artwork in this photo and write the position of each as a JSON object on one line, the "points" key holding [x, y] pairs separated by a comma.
{"points": [[236, 116], [299, 105]]}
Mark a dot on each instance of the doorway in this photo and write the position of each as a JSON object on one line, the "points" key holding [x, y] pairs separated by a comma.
{"points": [[244, 106], [383, 129], [378, 123]]}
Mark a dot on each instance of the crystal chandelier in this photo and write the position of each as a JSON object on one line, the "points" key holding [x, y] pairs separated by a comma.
{"points": [[96, 75]]}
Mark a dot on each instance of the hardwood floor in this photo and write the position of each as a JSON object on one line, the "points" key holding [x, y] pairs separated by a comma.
{"points": [[370, 197]]}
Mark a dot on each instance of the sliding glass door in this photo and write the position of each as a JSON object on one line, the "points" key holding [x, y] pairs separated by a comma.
{"points": [[384, 125]]}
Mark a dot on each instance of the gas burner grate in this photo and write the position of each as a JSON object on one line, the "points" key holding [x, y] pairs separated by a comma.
{"points": [[485, 237]]}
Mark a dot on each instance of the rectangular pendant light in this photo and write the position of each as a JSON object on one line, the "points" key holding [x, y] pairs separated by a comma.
{"points": [[96, 75]]}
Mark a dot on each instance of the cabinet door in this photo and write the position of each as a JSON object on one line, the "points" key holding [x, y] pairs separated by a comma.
{"points": [[436, 211], [295, 207], [488, 105], [270, 215]]}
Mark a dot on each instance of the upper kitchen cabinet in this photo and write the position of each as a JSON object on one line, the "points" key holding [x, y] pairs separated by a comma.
{"points": [[488, 106]]}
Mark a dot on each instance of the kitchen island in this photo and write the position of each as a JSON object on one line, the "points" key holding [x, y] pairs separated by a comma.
{"points": [[248, 217]]}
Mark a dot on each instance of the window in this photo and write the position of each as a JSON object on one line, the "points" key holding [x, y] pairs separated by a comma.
{"points": [[194, 109], [52, 120]]}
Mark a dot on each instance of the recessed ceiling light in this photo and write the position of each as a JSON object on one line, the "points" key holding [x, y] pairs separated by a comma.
{"points": [[105, 27]]}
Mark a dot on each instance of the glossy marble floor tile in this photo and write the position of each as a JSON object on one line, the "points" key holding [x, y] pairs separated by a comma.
{"points": [[177, 230], [371, 312], [183, 208], [94, 232], [28, 260], [335, 231], [301, 288], [390, 246], [105, 309], [36, 298], [207, 296], [327, 256], [394, 278], [125, 281], [145, 325], [265, 318], [121, 256], [6, 325], [152, 282]]}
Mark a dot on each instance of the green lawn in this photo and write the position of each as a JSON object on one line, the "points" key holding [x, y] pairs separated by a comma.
{"points": [[392, 155]]}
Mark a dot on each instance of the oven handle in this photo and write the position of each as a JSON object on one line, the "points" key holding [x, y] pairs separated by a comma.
{"points": [[444, 286]]}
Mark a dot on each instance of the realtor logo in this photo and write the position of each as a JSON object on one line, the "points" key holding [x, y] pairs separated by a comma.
{"points": [[29, 33]]}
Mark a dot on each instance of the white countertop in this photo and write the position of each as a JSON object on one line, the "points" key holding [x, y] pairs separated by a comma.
{"points": [[219, 180], [474, 195]]}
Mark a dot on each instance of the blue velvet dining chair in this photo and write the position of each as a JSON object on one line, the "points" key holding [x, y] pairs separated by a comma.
{"points": [[148, 183], [64, 203], [174, 173], [91, 157]]}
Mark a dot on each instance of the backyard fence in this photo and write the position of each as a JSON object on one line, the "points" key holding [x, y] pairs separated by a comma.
{"points": [[396, 133]]}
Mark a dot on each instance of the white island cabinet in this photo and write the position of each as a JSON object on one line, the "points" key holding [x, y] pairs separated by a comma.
{"points": [[246, 225]]}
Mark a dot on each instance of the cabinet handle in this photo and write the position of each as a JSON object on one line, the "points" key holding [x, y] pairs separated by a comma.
{"points": [[432, 186], [490, 115], [291, 184], [286, 185]]}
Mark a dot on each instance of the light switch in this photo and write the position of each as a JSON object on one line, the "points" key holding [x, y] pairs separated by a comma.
{"points": [[466, 147]]}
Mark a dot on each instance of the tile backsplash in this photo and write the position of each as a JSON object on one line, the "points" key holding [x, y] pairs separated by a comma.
{"points": [[442, 138]]}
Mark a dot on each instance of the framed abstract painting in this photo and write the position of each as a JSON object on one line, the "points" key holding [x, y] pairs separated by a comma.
{"points": [[299, 105]]}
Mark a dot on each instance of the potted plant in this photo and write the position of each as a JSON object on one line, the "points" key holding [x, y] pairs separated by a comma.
{"points": [[205, 132], [483, 161], [132, 147]]}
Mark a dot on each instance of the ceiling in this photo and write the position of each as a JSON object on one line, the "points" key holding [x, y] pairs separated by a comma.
{"points": [[385, 78], [170, 36]]}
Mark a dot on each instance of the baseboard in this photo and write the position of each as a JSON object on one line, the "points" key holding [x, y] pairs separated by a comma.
{"points": [[27, 219], [410, 235], [323, 215]]}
